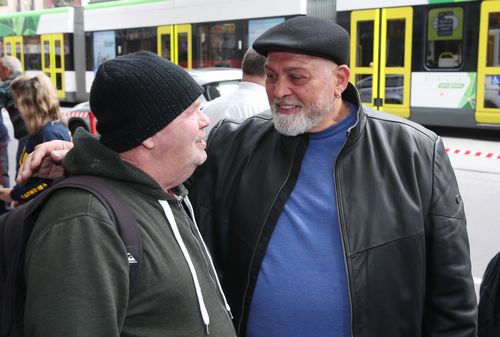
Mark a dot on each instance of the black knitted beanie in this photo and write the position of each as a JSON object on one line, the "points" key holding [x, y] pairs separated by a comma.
{"points": [[136, 95]]}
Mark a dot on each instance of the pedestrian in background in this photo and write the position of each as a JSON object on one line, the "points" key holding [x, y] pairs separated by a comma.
{"points": [[489, 300], [248, 99], [4, 161], [10, 69], [37, 103]]}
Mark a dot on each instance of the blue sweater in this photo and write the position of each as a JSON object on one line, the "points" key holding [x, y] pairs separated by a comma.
{"points": [[302, 287]]}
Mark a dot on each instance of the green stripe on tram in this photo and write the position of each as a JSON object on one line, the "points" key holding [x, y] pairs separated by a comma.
{"points": [[119, 3]]}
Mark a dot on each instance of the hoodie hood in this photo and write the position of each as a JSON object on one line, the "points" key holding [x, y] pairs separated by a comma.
{"points": [[90, 157]]}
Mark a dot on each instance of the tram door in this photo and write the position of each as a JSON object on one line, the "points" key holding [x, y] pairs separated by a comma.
{"points": [[13, 46], [488, 72], [53, 60], [175, 44], [381, 41]]}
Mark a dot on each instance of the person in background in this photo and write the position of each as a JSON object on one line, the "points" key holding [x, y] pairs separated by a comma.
{"points": [[328, 218], [249, 99], [4, 162], [151, 140], [489, 300], [10, 69], [36, 99]]}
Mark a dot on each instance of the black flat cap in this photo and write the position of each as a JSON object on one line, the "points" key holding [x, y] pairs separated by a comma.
{"points": [[306, 35]]}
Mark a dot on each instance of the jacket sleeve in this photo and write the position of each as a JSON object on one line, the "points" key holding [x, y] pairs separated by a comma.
{"points": [[76, 272], [451, 308]]}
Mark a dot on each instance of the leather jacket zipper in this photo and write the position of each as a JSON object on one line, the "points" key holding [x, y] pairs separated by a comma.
{"points": [[260, 235], [343, 235]]}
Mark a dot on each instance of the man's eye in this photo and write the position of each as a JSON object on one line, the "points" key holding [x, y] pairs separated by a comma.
{"points": [[271, 77]]}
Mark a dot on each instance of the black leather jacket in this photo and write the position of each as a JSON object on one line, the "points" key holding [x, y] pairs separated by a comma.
{"points": [[401, 216]]}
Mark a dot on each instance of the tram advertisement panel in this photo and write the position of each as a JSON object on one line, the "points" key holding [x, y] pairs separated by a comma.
{"points": [[443, 90]]}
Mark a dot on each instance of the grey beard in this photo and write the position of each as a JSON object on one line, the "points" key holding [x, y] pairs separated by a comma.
{"points": [[304, 120]]}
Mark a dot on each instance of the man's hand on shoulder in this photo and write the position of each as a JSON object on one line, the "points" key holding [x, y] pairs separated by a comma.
{"points": [[45, 161]]}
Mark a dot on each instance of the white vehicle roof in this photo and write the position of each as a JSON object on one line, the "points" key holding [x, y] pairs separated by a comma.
{"points": [[207, 75]]}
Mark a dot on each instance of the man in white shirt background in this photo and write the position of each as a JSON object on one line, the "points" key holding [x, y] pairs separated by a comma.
{"points": [[249, 99]]}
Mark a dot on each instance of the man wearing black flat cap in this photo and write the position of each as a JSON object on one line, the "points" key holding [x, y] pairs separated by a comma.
{"points": [[329, 218]]}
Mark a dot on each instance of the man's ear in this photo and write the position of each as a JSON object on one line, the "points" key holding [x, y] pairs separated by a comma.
{"points": [[343, 74]]}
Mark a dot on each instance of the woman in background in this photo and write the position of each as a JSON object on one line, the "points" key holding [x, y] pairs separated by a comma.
{"points": [[37, 102]]}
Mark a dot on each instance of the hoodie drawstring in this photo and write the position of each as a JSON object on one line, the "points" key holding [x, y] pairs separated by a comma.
{"points": [[175, 229], [228, 308]]}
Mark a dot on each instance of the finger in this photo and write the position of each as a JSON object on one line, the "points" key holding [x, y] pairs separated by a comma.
{"points": [[58, 156]]}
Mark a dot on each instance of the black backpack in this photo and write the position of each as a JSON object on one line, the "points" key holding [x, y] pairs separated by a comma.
{"points": [[16, 227], [489, 303]]}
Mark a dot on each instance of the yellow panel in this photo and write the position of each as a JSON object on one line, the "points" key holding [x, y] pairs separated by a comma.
{"points": [[58, 70], [167, 30], [12, 42], [360, 16], [405, 13], [7, 42], [485, 115], [18, 40], [187, 30], [45, 39]]}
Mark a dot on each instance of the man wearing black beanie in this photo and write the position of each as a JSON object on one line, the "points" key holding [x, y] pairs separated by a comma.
{"points": [[77, 268], [329, 218]]}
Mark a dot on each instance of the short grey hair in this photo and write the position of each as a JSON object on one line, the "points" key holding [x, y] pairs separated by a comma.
{"points": [[11, 63]]}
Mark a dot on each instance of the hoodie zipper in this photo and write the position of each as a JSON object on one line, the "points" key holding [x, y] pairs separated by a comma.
{"points": [[199, 244]]}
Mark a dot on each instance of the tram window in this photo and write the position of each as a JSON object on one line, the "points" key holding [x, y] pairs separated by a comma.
{"points": [[364, 85], [182, 49], [32, 53], [221, 44], [89, 52], [68, 52], [492, 82], [395, 56], [46, 52], [493, 51], [444, 47], [58, 49], [364, 46], [136, 39]]}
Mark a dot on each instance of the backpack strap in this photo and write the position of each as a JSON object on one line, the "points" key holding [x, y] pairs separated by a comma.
{"points": [[121, 214], [17, 225]]}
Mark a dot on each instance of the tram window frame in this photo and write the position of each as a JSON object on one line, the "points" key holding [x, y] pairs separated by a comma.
{"points": [[215, 46], [32, 61], [460, 50], [123, 41]]}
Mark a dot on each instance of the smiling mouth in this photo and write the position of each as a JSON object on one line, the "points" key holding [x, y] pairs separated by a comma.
{"points": [[286, 108]]}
